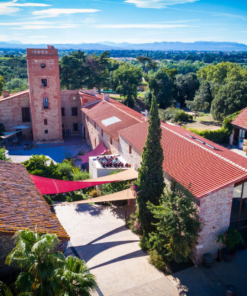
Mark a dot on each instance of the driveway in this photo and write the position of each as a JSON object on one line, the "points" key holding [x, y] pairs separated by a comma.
{"points": [[99, 236]]}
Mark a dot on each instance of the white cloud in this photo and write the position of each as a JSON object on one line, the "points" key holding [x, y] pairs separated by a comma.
{"points": [[38, 36], [140, 26], [157, 3], [229, 15], [17, 34], [38, 27], [53, 12], [24, 23], [12, 6]]}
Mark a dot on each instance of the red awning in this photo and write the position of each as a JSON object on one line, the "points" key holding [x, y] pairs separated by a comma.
{"points": [[100, 149], [54, 186]]}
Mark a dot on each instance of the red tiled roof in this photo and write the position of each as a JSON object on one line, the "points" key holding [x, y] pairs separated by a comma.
{"points": [[103, 110], [190, 162], [13, 95], [241, 119], [22, 206]]}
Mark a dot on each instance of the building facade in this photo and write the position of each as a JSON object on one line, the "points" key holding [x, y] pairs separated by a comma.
{"points": [[215, 176]]}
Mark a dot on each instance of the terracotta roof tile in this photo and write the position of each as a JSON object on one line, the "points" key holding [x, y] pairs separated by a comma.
{"points": [[22, 206], [103, 110], [13, 95], [241, 119], [190, 162]]}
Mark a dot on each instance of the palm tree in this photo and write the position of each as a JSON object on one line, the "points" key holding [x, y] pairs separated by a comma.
{"points": [[35, 255], [74, 278]]}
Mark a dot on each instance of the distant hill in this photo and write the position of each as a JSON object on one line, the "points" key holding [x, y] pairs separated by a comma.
{"points": [[162, 46]]}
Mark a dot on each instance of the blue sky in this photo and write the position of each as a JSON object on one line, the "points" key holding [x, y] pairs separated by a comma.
{"points": [[135, 21]]}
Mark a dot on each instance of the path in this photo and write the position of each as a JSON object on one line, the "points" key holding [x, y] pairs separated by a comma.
{"points": [[100, 237]]}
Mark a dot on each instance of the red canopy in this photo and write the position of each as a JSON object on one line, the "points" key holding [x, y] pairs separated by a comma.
{"points": [[54, 186], [100, 149]]}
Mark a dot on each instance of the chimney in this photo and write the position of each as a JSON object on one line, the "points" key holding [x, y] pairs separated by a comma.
{"points": [[106, 97], [5, 93]]}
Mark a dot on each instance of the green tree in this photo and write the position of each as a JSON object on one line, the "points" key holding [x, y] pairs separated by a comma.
{"points": [[45, 271], [144, 60], [125, 81], [16, 84], [150, 182], [73, 70], [231, 98], [177, 226], [186, 86], [223, 73], [203, 98], [99, 75], [3, 154], [1, 84], [161, 86]]}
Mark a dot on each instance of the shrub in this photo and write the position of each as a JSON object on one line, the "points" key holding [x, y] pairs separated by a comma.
{"points": [[80, 175], [220, 136], [113, 187], [95, 193], [175, 114], [182, 116], [156, 259], [76, 196], [133, 224]]}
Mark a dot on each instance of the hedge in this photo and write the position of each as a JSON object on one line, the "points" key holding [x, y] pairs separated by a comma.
{"points": [[220, 136]]}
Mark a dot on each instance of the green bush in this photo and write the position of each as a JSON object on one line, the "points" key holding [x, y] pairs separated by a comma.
{"points": [[175, 114], [132, 223], [156, 259], [220, 136], [228, 119]]}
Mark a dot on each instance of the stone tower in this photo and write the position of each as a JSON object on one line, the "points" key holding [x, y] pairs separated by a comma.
{"points": [[44, 90]]}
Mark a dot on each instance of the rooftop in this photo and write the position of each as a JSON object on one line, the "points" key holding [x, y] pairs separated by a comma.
{"points": [[104, 110], [203, 168], [22, 206], [241, 119], [13, 95]]}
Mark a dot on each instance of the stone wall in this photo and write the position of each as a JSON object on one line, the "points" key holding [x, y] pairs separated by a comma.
{"points": [[38, 92], [6, 245], [134, 157], [215, 212], [70, 99], [11, 114], [94, 136]]}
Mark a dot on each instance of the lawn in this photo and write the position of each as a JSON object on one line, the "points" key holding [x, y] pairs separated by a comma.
{"points": [[205, 122]]}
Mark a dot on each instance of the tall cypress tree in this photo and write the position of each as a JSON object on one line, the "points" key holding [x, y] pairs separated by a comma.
{"points": [[150, 182]]}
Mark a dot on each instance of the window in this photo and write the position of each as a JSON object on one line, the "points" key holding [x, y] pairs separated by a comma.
{"points": [[45, 122], [63, 111], [74, 111], [94, 124], [46, 131], [25, 111], [111, 141], [130, 149], [75, 127], [42, 66], [44, 82], [74, 98], [102, 133], [241, 133], [46, 104]]}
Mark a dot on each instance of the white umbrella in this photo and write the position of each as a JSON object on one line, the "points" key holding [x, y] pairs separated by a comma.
{"points": [[8, 134]]}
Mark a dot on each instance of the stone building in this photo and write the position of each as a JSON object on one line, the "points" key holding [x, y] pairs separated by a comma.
{"points": [[216, 176], [22, 207]]}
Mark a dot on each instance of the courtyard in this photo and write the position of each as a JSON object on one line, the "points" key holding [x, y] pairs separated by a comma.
{"points": [[57, 152]]}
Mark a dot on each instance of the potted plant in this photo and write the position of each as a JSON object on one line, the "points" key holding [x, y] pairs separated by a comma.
{"points": [[230, 239]]}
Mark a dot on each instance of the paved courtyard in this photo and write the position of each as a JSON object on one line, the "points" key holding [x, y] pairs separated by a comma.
{"points": [[100, 237]]}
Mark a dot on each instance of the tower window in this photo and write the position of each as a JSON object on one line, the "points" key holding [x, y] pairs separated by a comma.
{"points": [[94, 124], [74, 111], [63, 111], [75, 127], [42, 66], [46, 131], [44, 82], [111, 141], [130, 149], [25, 111], [46, 104], [45, 122], [102, 133]]}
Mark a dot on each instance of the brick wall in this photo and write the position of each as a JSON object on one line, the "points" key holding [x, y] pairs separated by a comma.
{"points": [[48, 57], [134, 157], [6, 245], [70, 99], [11, 114], [215, 212]]}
